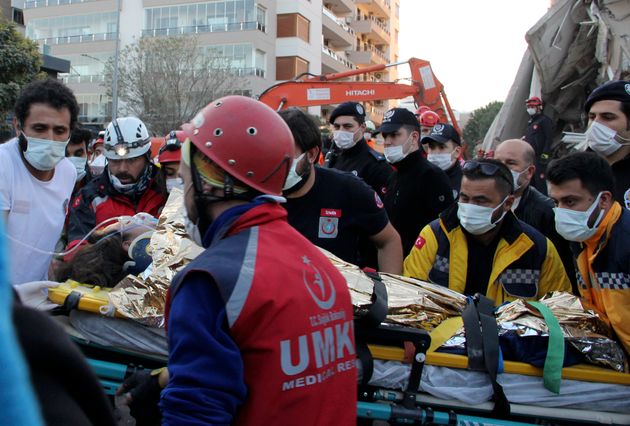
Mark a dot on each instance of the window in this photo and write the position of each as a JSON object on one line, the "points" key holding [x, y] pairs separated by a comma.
{"points": [[222, 15], [288, 67], [293, 25]]}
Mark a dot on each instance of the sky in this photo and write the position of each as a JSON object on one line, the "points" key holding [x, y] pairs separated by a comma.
{"points": [[475, 46]]}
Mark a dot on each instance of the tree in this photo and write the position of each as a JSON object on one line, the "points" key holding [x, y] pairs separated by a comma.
{"points": [[19, 64], [165, 81], [479, 123]]}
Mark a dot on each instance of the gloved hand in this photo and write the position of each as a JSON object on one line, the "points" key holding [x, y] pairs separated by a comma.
{"points": [[34, 294], [141, 392]]}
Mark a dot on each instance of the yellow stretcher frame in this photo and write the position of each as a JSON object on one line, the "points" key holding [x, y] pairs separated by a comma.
{"points": [[92, 297], [443, 332]]}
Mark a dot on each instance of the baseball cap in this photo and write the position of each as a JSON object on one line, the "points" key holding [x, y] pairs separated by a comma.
{"points": [[618, 90], [395, 118], [442, 133], [353, 109]]}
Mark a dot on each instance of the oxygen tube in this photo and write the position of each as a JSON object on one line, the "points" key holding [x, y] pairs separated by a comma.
{"points": [[17, 398], [126, 224]]}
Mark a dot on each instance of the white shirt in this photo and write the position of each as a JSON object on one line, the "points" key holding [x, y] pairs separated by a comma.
{"points": [[37, 212]]}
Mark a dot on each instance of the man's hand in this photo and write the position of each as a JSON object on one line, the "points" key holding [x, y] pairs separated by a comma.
{"points": [[141, 392], [34, 294]]}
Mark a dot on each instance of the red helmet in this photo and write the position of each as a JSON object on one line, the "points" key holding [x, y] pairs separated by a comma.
{"points": [[247, 139], [429, 119], [423, 108], [534, 100], [171, 151]]}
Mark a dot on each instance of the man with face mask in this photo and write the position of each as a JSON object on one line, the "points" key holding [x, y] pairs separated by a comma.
{"points": [[479, 246], [169, 157], [582, 185], [36, 179], [97, 159], [333, 209], [530, 206], [539, 134], [418, 190], [351, 153], [77, 153], [443, 147], [608, 134], [257, 294], [127, 186]]}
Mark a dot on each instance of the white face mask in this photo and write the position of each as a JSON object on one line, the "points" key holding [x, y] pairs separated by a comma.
{"points": [[98, 165], [293, 178], [477, 219], [443, 160], [174, 183], [79, 165], [192, 229], [394, 154], [601, 139], [367, 135], [343, 139], [44, 154], [573, 225], [531, 111], [516, 176]]}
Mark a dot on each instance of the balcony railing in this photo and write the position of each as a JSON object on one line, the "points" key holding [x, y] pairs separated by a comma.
{"points": [[44, 3], [369, 48], [242, 72], [213, 28], [341, 22], [333, 55], [99, 78], [86, 38], [379, 23]]}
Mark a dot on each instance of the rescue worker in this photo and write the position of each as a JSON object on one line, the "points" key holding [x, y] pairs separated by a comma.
{"points": [[126, 187], [443, 147], [368, 135], [479, 246], [427, 120], [539, 134], [77, 152], [168, 158], [351, 153], [97, 159], [418, 190], [335, 209], [608, 109], [582, 185], [36, 179], [248, 317], [530, 205]]}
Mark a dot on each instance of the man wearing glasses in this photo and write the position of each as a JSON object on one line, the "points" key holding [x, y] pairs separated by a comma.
{"points": [[479, 246]]}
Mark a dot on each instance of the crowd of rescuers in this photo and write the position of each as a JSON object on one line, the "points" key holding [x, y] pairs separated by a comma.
{"points": [[415, 209]]}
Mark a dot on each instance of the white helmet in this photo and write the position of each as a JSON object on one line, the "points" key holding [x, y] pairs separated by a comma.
{"points": [[126, 137]]}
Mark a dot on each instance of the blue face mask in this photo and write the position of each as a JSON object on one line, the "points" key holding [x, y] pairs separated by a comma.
{"points": [[139, 254]]}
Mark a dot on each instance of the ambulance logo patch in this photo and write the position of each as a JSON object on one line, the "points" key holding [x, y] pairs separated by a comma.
{"points": [[321, 290], [329, 223], [420, 242]]}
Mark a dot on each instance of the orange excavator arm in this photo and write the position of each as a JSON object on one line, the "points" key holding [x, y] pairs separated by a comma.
{"points": [[315, 90]]}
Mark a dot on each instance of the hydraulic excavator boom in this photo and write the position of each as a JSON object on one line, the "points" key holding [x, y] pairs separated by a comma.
{"points": [[313, 90]]}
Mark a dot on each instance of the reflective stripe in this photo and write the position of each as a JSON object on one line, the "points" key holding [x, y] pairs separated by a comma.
{"points": [[520, 282], [441, 263], [98, 201], [239, 294], [613, 280]]}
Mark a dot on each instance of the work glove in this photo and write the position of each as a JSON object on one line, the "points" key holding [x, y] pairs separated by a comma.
{"points": [[141, 392], [34, 294]]}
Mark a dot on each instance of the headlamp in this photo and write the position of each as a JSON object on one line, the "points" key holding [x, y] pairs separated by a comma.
{"points": [[122, 149]]}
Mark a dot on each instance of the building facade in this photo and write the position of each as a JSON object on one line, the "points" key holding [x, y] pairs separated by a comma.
{"points": [[264, 41]]}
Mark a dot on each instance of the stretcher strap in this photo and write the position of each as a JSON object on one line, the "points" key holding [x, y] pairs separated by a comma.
{"points": [[377, 312], [552, 371], [367, 361], [481, 326]]}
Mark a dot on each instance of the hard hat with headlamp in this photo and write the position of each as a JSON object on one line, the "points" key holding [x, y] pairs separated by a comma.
{"points": [[126, 137]]}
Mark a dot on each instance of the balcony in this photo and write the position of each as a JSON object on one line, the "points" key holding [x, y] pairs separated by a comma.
{"points": [[336, 32], [367, 55], [373, 29], [332, 62], [199, 29], [339, 7], [46, 3], [86, 38], [379, 8], [77, 79]]}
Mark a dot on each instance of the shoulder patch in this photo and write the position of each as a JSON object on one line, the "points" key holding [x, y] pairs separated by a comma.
{"points": [[77, 202], [376, 154], [420, 242]]}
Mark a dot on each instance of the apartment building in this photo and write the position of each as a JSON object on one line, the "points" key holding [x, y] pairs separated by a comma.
{"points": [[265, 41]]}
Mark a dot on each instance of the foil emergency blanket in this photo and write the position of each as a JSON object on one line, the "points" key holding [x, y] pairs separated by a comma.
{"points": [[582, 328], [410, 302], [142, 298]]}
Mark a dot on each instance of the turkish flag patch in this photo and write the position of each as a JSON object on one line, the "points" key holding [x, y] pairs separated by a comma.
{"points": [[420, 242]]}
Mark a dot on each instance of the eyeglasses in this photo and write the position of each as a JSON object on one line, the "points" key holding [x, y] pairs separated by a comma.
{"points": [[488, 169]]}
